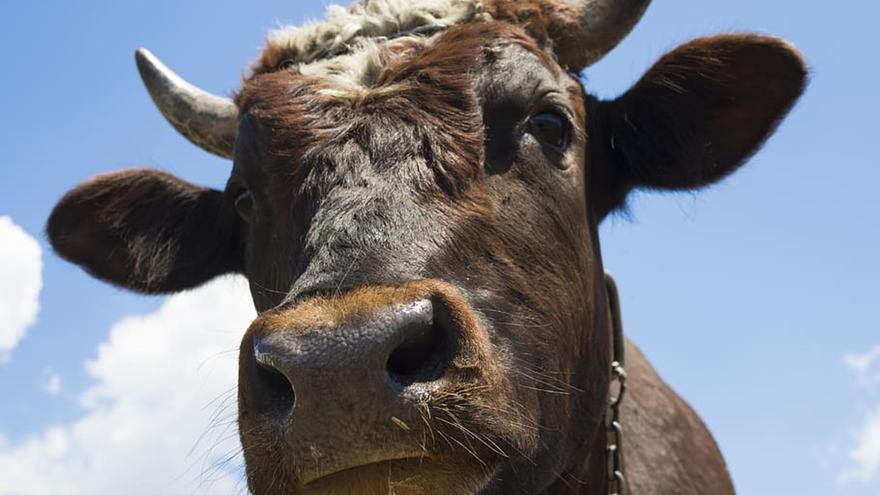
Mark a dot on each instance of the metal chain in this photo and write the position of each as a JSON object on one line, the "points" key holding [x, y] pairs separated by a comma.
{"points": [[613, 424]]}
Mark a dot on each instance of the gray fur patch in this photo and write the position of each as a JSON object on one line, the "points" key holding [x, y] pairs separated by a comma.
{"points": [[353, 72], [346, 28]]}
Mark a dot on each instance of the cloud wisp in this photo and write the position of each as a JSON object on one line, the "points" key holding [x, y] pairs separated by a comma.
{"points": [[52, 385], [161, 414], [21, 280], [864, 457]]}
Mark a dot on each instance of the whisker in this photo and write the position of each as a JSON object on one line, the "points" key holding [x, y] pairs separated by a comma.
{"points": [[485, 441]]}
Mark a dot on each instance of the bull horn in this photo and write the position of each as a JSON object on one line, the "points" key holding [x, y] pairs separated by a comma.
{"points": [[600, 26], [208, 121]]}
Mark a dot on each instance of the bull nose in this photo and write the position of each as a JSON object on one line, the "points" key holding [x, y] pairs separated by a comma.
{"points": [[323, 373]]}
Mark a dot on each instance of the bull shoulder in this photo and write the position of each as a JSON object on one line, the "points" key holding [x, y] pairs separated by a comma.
{"points": [[669, 450]]}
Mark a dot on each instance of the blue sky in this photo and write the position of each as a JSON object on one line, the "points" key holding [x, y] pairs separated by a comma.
{"points": [[757, 299]]}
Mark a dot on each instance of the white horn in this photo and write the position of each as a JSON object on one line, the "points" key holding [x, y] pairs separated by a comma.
{"points": [[208, 121]]}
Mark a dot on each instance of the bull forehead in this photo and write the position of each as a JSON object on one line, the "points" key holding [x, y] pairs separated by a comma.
{"points": [[412, 98]]}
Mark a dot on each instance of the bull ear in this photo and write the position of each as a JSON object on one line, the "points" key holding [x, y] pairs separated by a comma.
{"points": [[148, 231], [698, 114]]}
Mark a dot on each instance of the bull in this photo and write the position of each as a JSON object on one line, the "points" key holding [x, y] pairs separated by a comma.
{"points": [[415, 197]]}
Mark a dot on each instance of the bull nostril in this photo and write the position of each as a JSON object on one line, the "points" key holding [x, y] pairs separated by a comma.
{"points": [[275, 393], [422, 357]]}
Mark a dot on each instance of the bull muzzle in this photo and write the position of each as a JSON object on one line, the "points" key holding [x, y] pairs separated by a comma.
{"points": [[345, 382]]}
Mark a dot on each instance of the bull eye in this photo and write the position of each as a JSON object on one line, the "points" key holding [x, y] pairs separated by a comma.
{"points": [[552, 129], [244, 205]]}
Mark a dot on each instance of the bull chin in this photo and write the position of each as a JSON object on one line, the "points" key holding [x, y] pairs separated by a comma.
{"points": [[405, 476]]}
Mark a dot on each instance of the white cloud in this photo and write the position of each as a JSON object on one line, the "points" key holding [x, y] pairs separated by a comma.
{"points": [[865, 456], [53, 382], [161, 382], [21, 280]]}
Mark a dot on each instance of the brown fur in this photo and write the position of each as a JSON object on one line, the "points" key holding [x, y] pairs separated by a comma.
{"points": [[545, 21]]}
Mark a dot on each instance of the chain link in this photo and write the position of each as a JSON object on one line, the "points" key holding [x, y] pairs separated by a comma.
{"points": [[613, 424]]}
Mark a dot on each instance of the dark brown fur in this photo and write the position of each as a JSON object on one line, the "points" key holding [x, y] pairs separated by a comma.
{"points": [[425, 183], [141, 229]]}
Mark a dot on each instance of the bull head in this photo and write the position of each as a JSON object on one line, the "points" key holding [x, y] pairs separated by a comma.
{"points": [[581, 33], [415, 200]]}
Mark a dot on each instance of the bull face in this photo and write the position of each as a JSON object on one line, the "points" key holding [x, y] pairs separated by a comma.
{"points": [[414, 326], [418, 223]]}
